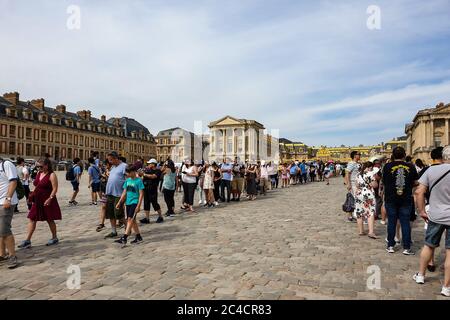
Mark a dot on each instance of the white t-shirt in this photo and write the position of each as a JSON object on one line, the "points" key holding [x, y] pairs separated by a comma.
{"points": [[189, 179], [6, 176], [22, 171]]}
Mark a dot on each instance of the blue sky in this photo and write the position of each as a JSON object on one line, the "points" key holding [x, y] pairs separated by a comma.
{"points": [[311, 69]]}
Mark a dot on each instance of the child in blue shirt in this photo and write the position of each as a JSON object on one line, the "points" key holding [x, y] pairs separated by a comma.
{"points": [[133, 193]]}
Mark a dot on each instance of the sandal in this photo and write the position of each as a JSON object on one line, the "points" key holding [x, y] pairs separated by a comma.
{"points": [[362, 234], [184, 208], [372, 236], [100, 227]]}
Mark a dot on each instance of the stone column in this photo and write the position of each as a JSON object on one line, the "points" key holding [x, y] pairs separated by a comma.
{"points": [[233, 144], [224, 143], [447, 132], [431, 138]]}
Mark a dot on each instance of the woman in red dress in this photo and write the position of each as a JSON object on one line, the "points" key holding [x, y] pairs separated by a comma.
{"points": [[44, 204]]}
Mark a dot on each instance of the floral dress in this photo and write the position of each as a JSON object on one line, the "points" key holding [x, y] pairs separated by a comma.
{"points": [[365, 205]]}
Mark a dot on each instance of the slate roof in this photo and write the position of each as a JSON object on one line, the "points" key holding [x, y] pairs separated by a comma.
{"points": [[128, 124]]}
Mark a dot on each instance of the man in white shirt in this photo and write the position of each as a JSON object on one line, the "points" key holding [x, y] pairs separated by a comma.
{"points": [[435, 183], [8, 201], [24, 176]]}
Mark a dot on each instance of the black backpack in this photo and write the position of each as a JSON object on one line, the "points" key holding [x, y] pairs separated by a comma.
{"points": [[349, 204], [70, 173]]}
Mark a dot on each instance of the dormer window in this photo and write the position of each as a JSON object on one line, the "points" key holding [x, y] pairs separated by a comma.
{"points": [[56, 120], [11, 112]]}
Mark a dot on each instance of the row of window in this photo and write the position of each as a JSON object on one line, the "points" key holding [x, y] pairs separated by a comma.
{"points": [[28, 115], [35, 150], [63, 138]]}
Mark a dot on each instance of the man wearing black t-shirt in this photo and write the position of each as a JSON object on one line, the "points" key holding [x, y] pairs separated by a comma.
{"points": [[399, 179], [151, 176]]}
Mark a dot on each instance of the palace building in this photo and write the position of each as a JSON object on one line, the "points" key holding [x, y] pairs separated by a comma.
{"points": [[291, 151], [178, 144], [429, 129], [342, 153], [30, 129], [246, 139]]}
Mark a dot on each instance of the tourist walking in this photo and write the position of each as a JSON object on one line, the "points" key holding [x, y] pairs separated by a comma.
{"points": [[189, 177], [351, 174], [272, 169], [24, 177], [365, 206], [169, 186], [436, 182], [285, 176], [237, 182], [114, 190], [251, 182], [8, 201], [103, 182], [399, 179], [327, 173], [304, 172], [217, 182], [264, 183], [74, 176], [45, 206], [436, 157], [94, 174], [226, 170], [132, 196], [208, 185], [199, 187], [151, 176]]}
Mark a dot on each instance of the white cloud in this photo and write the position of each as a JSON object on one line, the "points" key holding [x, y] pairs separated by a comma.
{"points": [[170, 63]]}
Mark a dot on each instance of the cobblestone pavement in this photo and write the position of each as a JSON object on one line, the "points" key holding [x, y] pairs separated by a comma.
{"points": [[292, 244]]}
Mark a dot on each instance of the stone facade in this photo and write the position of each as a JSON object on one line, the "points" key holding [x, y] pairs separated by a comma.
{"points": [[178, 144], [246, 139], [429, 129], [291, 151], [29, 129], [342, 154]]}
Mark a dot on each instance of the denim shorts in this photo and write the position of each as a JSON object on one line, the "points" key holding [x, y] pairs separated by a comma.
{"points": [[75, 185], [434, 233]]}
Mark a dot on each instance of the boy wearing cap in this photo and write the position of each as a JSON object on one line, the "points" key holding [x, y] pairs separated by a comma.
{"points": [[151, 176]]}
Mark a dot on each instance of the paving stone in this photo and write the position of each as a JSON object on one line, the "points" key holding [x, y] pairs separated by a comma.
{"points": [[292, 244]]}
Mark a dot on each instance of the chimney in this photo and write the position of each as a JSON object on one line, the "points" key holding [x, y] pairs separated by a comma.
{"points": [[61, 108], [12, 97], [82, 114], [88, 114], [38, 103], [103, 118]]}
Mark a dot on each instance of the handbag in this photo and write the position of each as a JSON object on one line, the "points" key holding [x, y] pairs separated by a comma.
{"points": [[349, 204]]}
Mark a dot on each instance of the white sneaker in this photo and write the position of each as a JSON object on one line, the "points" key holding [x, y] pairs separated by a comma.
{"points": [[445, 291], [390, 250], [383, 222], [200, 202], [419, 278], [408, 252], [216, 203]]}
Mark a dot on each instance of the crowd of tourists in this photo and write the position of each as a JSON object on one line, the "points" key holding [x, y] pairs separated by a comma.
{"points": [[121, 190], [397, 190]]}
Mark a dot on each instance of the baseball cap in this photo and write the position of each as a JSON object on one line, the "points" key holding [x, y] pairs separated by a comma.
{"points": [[152, 161]]}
